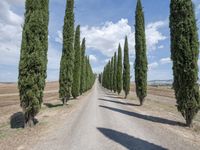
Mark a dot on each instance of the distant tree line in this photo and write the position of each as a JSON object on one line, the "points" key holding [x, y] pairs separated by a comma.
{"points": [[116, 77], [184, 54], [76, 75]]}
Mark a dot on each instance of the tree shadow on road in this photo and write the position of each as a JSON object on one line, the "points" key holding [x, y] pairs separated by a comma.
{"points": [[49, 105], [128, 141], [110, 93], [118, 97], [146, 117], [118, 102]]}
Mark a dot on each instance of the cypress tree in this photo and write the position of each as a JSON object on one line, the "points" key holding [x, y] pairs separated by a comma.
{"points": [[77, 64], [100, 78], [126, 70], [103, 77], [87, 73], [111, 73], [115, 73], [33, 58], [108, 75], [83, 67], [119, 70], [91, 76], [67, 60], [141, 57], [184, 54]]}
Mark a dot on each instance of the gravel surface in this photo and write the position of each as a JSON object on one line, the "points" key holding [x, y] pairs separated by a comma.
{"points": [[105, 122]]}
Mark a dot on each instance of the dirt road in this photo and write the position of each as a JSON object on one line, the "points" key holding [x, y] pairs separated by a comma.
{"points": [[106, 122]]}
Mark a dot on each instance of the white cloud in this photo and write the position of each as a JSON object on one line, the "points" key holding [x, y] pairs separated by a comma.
{"points": [[197, 6], [161, 47], [198, 9], [7, 16], [10, 31], [54, 57], [153, 65], [156, 64], [166, 60], [97, 69], [106, 60], [131, 63], [59, 38], [16, 2], [93, 58], [106, 38], [153, 35], [199, 62]]}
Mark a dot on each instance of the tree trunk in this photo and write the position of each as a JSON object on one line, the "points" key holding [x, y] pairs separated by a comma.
{"points": [[189, 121], [29, 121], [141, 101], [125, 96], [64, 101]]}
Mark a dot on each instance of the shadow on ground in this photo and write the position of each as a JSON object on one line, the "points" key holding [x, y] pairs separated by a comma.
{"points": [[111, 94], [130, 142], [17, 120], [118, 102], [145, 117], [115, 96], [49, 105]]}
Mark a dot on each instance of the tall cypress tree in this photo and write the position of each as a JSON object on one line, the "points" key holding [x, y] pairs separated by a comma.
{"points": [[111, 73], [119, 70], [126, 70], [67, 60], [108, 75], [100, 78], [33, 58], [115, 73], [83, 67], [103, 77], [77, 64], [87, 73], [184, 54], [141, 57]]}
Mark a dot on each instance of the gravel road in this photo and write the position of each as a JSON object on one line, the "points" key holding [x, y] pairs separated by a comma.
{"points": [[104, 122]]}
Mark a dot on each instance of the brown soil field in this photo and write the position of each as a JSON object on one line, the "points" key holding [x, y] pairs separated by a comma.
{"points": [[9, 98], [162, 97]]}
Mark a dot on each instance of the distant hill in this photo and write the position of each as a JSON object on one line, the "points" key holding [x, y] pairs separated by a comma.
{"points": [[163, 82], [160, 82]]}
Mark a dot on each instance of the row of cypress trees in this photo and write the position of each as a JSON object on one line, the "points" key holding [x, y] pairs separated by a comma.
{"points": [[184, 54], [83, 76], [114, 77], [123, 80], [76, 75], [33, 59]]}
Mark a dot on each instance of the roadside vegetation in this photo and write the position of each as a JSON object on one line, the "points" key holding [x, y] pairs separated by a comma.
{"points": [[33, 59], [184, 55]]}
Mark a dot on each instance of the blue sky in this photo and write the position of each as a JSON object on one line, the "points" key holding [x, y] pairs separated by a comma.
{"points": [[103, 23]]}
